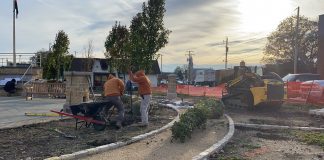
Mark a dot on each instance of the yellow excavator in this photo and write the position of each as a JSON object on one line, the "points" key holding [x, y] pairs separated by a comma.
{"points": [[249, 89]]}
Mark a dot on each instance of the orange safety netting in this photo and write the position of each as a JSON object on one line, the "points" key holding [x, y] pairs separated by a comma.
{"points": [[310, 92], [297, 92], [193, 90]]}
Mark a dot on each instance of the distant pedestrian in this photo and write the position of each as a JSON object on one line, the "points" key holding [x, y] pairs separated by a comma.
{"points": [[144, 89], [10, 87], [113, 89]]}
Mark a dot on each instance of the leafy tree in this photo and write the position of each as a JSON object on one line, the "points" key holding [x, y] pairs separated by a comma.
{"points": [[148, 34], [179, 72], [59, 60], [41, 59], [117, 47], [280, 43]]}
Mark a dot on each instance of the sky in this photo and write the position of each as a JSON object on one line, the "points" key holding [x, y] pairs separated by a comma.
{"points": [[200, 26]]}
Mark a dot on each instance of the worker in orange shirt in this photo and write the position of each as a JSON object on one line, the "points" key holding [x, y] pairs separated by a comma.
{"points": [[113, 89], [144, 89]]}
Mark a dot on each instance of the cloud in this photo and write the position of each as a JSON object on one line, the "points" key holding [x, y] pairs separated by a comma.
{"points": [[201, 26], [99, 25]]}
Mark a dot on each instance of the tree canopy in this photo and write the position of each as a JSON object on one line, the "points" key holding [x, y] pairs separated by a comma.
{"points": [[117, 49], [281, 42], [148, 34], [179, 72], [58, 60]]}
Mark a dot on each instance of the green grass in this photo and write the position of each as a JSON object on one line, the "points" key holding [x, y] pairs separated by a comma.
{"points": [[313, 138], [251, 146]]}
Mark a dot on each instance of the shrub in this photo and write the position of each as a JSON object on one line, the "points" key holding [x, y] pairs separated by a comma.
{"points": [[180, 130], [125, 99], [213, 107], [136, 108], [191, 119]]}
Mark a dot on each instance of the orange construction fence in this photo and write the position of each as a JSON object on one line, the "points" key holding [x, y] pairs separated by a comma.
{"points": [[193, 90], [307, 92], [297, 92]]}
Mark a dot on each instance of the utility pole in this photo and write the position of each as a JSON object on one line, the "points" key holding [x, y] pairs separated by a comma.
{"points": [[189, 64], [226, 51], [160, 55], [161, 63], [296, 42], [14, 33]]}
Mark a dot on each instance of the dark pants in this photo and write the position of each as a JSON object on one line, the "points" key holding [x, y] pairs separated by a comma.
{"points": [[11, 92], [118, 104]]}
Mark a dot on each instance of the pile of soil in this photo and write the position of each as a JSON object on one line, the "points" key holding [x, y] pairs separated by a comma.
{"points": [[39, 141]]}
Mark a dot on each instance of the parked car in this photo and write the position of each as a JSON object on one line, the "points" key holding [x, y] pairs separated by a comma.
{"points": [[312, 90], [293, 82], [301, 77]]}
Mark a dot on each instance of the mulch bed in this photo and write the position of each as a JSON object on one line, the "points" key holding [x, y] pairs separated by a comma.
{"points": [[39, 141]]}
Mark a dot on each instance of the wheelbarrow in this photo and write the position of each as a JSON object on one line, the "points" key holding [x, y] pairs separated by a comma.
{"points": [[87, 114]]}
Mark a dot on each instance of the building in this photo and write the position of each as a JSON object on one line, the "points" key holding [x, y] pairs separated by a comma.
{"points": [[204, 75]]}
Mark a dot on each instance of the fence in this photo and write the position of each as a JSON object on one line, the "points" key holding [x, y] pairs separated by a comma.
{"points": [[311, 92], [297, 92], [194, 90], [47, 89]]}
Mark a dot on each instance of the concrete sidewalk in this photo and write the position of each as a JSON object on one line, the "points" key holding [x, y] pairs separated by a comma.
{"points": [[13, 109], [317, 112]]}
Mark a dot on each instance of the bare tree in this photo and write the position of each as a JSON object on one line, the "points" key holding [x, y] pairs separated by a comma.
{"points": [[88, 53]]}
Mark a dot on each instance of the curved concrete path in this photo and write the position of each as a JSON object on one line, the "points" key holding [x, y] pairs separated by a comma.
{"points": [[220, 144], [152, 145]]}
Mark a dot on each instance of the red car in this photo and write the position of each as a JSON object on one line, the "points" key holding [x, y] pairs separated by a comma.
{"points": [[312, 90]]}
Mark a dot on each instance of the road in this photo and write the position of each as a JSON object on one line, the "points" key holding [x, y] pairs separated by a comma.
{"points": [[12, 110]]}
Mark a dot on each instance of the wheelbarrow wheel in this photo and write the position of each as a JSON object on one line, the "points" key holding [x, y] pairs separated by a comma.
{"points": [[99, 127]]}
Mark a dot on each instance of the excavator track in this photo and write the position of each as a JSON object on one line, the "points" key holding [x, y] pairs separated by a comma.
{"points": [[238, 100]]}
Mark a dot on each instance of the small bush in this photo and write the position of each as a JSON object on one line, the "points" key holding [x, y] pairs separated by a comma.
{"points": [[136, 108], [180, 130], [213, 107], [191, 119], [125, 99]]}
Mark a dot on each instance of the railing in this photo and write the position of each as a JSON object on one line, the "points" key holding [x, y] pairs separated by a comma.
{"points": [[48, 89]]}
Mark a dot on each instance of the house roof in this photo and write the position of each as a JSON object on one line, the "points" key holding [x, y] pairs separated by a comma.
{"points": [[79, 64], [155, 68]]}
